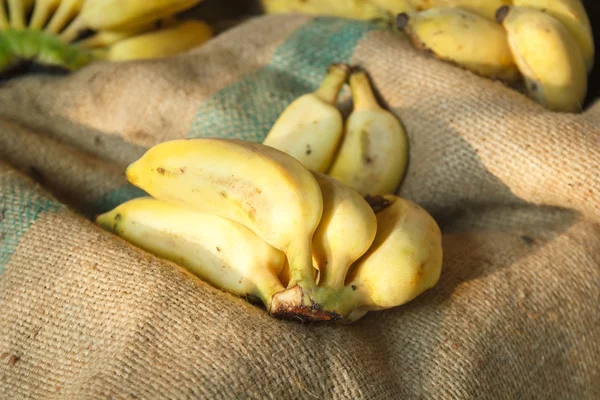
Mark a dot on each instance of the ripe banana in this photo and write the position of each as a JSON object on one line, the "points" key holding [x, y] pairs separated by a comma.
{"points": [[395, 7], [107, 38], [373, 154], [350, 9], [4, 23], [42, 10], [404, 261], [260, 187], [222, 252], [67, 9], [463, 38], [184, 36], [345, 232], [548, 57], [17, 11], [102, 15], [484, 8], [310, 128], [572, 14]]}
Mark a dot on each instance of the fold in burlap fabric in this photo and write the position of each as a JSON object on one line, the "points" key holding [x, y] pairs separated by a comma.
{"points": [[515, 189]]}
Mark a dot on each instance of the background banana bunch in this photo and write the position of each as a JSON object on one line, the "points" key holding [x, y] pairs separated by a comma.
{"points": [[256, 222], [73, 33], [542, 47]]}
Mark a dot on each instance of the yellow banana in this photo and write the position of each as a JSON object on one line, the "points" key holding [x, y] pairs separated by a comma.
{"points": [[222, 252], [346, 230], [548, 57], [484, 8], [395, 7], [373, 154], [17, 11], [108, 38], [160, 43], [4, 23], [404, 261], [67, 9], [100, 15], [310, 128], [262, 188], [463, 38], [41, 12], [572, 14], [350, 9]]}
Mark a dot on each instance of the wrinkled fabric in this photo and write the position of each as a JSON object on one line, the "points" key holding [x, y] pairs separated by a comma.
{"points": [[514, 188]]}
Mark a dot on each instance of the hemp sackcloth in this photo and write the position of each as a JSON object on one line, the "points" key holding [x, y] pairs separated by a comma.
{"points": [[514, 187]]}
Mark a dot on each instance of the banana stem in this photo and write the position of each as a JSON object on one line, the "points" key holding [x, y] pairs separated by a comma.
{"points": [[341, 301], [301, 266], [267, 286], [16, 10], [40, 15], [331, 279], [362, 93], [72, 30], [333, 82], [3, 17]]}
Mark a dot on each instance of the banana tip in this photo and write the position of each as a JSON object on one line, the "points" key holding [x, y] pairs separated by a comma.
{"points": [[501, 13], [402, 20]]}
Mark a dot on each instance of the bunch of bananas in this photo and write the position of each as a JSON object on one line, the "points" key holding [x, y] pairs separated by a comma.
{"points": [[547, 45], [254, 221], [368, 152], [73, 33]]}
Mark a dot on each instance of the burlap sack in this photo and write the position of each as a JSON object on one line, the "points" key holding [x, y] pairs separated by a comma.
{"points": [[514, 187]]}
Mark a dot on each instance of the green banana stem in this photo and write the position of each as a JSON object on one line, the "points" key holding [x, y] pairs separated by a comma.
{"points": [[362, 93], [338, 301], [333, 82]]}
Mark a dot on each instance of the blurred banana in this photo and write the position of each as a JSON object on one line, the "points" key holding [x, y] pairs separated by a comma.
{"points": [[102, 15], [42, 10], [160, 43], [484, 8], [463, 38], [548, 57], [572, 14]]}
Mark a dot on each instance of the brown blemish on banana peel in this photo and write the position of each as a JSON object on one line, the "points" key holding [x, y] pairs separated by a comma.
{"points": [[290, 304]]}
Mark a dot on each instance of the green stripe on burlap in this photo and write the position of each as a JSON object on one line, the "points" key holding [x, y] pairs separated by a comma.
{"points": [[249, 107], [21, 203]]}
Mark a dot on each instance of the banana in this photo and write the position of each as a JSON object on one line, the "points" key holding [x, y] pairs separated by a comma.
{"points": [[260, 187], [484, 8], [572, 14], [67, 9], [222, 252], [100, 15], [373, 154], [350, 9], [345, 232], [463, 38], [107, 38], [404, 261], [548, 57], [4, 23], [17, 11], [41, 12], [310, 128], [161, 43], [395, 7]]}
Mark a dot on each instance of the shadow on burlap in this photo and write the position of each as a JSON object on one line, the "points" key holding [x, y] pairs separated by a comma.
{"points": [[513, 187]]}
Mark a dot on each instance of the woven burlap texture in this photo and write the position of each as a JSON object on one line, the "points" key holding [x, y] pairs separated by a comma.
{"points": [[514, 188]]}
